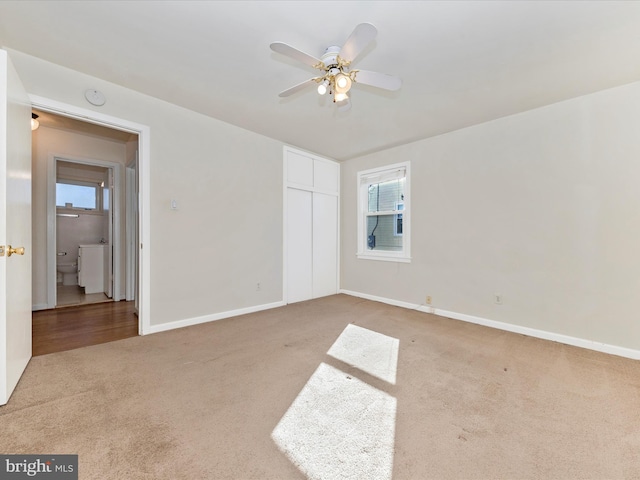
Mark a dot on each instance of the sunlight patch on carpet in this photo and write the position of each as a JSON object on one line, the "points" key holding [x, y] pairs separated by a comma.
{"points": [[339, 427], [371, 352]]}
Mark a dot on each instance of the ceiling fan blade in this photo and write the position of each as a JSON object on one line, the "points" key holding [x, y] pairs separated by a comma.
{"points": [[294, 53], [380, 80], [298, 87], [361, 36]]}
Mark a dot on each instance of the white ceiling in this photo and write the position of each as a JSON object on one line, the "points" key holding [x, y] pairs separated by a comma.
{"points": [[462, 63]]}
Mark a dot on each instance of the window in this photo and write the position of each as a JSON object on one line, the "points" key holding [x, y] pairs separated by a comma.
{"points": [[397, 220], [383, 213], [77, 195]]}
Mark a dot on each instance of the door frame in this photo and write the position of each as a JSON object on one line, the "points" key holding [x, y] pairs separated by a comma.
{"points": [[52, 224], [144, 183]]}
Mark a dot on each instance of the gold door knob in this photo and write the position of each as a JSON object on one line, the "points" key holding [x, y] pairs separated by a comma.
{"points": [[17, 251]]}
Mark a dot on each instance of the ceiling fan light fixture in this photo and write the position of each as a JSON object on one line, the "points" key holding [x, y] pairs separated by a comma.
{"points": [[343, 83], [322, 88], [340, 97]]}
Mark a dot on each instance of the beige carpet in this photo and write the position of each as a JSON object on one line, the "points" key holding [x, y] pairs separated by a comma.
{"points": [[296, 392]]}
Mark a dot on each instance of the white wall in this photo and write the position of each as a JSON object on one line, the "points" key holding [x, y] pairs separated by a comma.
{"points": [[51, 141], [542, 207], [226, 236]]}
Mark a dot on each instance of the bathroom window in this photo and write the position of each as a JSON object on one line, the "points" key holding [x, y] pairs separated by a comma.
{"points": [[383, 213], [78, 195]]}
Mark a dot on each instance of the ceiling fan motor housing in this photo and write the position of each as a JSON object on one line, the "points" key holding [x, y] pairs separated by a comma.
{"points": [[330, 57]]}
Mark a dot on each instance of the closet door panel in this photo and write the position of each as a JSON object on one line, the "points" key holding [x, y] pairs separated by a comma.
{"points": [[299, 169], [325, 175], [299, 245], [325, 245]]}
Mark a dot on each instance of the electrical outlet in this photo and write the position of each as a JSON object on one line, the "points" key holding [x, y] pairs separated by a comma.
{"points": [[428, 299], [258, 286], [497, 298]]}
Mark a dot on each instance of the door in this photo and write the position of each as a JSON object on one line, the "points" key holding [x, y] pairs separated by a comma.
{"points": [[131, 232], [15, 228], [299, 241], [325, 244], [108, 251]]}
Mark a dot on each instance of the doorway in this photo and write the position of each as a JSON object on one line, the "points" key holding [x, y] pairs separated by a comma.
{"points": [[87, 225], [140, 151], [93, 163], [78, 205]]}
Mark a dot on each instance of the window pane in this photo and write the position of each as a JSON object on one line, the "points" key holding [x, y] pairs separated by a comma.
{"points": [[381, 233], [78, 196], [398, 224], [385, 197]]}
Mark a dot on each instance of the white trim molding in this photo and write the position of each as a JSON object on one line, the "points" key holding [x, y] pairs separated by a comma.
{"points": [[188, 322], [531, 332]]}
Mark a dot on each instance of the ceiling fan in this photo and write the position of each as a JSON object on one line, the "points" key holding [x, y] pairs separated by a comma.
{"points": [[336, 76]]}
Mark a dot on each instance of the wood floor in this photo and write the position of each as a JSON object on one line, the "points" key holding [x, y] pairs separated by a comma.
{"points": [[67, 328]]}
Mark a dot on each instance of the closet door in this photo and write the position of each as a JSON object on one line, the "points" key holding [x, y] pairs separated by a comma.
{"points": [[299, 245], [325, 245], [312, 186]]}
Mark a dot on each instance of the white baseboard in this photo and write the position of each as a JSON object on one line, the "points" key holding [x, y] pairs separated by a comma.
{"points": [[39, 306], [509, 327], [187, 322]]}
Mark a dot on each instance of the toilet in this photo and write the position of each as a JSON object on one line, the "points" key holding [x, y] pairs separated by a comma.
{"points": [[68, 272]]}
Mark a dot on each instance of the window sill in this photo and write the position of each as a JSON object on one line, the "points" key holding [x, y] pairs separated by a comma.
{"points": [[77, 211], [384, 257]]}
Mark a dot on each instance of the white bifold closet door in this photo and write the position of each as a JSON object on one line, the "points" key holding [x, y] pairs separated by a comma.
{"points": [[312, 226]]}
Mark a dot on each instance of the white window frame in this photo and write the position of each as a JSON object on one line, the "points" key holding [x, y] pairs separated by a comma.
{"points": [[379, 175], [98, 188]]}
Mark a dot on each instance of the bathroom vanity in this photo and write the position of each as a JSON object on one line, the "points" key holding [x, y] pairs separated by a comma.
{"points": [[91, 268]]}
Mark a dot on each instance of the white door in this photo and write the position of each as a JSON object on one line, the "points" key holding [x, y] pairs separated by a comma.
{"points": [[325, 245], [299, 245], [131, 232], [108, 202], [15, 228]]}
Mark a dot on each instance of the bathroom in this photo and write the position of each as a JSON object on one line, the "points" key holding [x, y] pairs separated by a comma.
{"points": [[83, 233]]}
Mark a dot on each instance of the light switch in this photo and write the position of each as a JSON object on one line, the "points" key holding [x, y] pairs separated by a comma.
{"points": [[174, 204]]}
